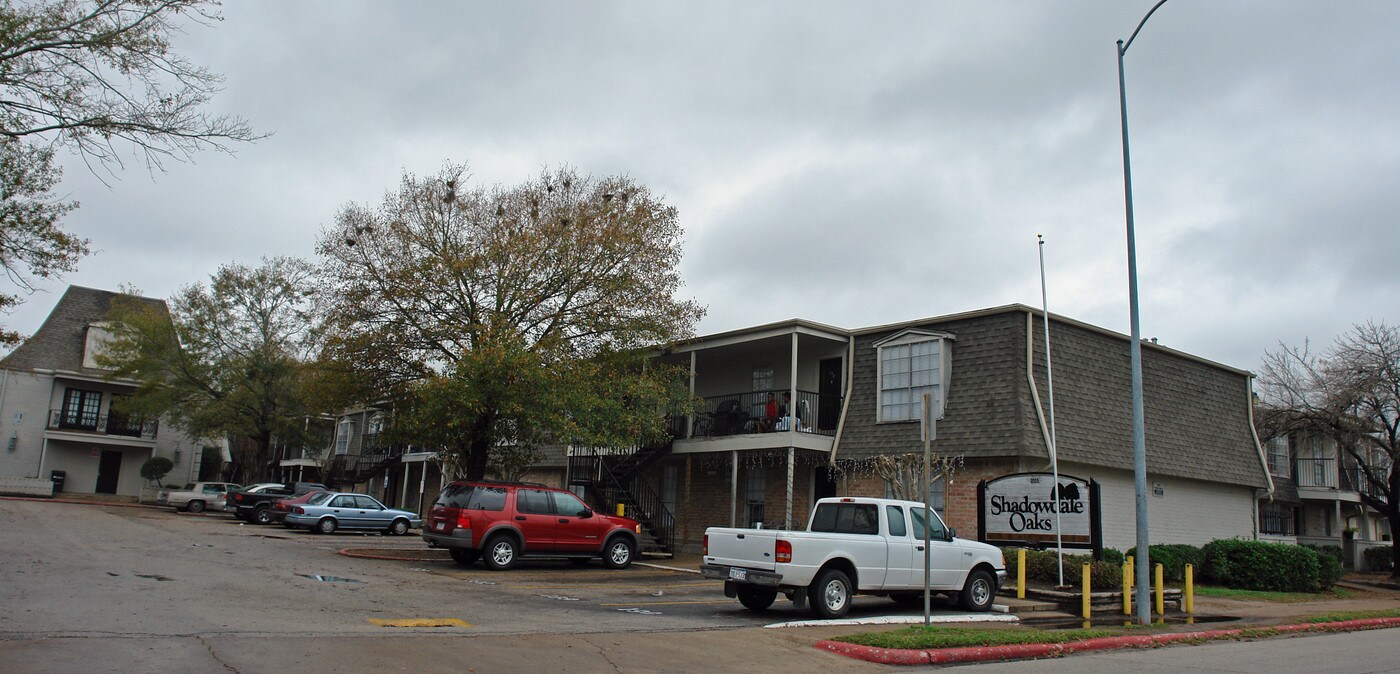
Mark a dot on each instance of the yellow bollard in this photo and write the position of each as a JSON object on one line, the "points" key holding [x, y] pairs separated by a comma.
{"points": [[1086, 592], [1189, 591], [1132, 573], [621, 510], [1021, 573], [1128, 586], [1161, 605]]}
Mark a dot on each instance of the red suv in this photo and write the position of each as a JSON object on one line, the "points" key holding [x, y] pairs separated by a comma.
{"points": [[503, 521]]}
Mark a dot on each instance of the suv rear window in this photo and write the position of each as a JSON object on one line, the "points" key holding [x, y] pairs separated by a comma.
{"points": [[473, 497], [847, 518]]}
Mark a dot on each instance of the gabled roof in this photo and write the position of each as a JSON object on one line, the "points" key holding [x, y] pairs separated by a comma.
{"points": [[60, 341]]}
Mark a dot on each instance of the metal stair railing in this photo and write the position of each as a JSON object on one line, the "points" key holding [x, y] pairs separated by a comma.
{"points": [[640, 502]]}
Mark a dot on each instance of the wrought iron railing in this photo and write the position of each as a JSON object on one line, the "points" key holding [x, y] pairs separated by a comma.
{"points": [[1276, 523], [1315, 473], [106, 424], [1354, 479], [748, 412], [608, 488]]}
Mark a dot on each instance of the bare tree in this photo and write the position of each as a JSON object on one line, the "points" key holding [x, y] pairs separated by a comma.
{"points": [[905, 472], [1351, 394], [97, 77]]}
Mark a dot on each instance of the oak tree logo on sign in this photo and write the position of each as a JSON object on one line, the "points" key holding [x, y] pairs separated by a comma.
{"points": [[1021, 509]]}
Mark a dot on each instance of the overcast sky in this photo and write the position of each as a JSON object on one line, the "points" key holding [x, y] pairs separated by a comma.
{"points": [[852, 163]]}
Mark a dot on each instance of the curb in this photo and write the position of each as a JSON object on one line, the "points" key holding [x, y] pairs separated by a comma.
{"points": [[355, 552], [931, 656], [36, 499]]}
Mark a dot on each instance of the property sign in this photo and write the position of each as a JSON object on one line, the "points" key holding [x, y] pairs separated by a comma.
{"points": [[1020, 509]]}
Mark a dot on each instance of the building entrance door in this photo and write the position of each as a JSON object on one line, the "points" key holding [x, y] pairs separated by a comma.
{"points": [[109, 469]]}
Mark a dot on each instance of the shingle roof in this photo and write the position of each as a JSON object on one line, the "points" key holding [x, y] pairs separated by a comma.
{"points": [[59, 342], [1196, 412]]}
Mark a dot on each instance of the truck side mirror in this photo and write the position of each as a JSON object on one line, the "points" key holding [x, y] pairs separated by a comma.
{"points": [[950, 534]]}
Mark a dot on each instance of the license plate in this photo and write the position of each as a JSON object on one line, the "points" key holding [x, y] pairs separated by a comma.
{"points": [[439, 525], [738, 574]]}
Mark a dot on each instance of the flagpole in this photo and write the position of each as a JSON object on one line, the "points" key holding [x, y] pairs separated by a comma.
{"points": [[1050, 386]]}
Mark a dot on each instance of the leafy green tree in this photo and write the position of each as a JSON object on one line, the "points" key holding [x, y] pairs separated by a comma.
{"points": [[508, 318], [96, 77], [156, 468], [1351, 394], [227, 360]]}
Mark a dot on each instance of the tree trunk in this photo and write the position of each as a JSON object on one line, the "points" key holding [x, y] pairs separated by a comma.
{"points": [[479, 452]]}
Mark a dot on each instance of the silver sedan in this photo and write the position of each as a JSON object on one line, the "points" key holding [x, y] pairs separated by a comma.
{"points": [[327, 512]]}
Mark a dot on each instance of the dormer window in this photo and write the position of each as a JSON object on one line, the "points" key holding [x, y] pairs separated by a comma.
{"points": [[95, 341], [911, 363]]}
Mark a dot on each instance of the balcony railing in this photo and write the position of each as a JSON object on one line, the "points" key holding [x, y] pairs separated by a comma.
{"points": [[1276, 523], [107, 424], [1354, 479], [746, 413], [1315, 473]]}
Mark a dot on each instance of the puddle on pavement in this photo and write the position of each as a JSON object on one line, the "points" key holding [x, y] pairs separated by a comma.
{"points": [[329, 579], [1121, 621]]}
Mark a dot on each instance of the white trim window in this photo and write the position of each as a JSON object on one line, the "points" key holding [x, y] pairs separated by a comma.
{"points": [[1278, 456], [343, 431], [910, 364]]}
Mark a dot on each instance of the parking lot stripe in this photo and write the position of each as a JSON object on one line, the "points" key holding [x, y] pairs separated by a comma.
{"points": [[420, 622]]}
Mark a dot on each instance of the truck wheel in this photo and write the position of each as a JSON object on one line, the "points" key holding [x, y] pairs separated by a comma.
{"points": [[501, 552], [978, 592], [618, 553], [262, 516], [756, 599], [464, 556], [830, 595], [195, 506]]}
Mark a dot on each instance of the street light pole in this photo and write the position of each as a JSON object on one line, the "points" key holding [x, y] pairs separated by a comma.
{"points": [[1143, 561]]}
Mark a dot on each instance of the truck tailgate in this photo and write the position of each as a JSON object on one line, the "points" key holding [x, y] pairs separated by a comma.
{"points": [[749, 548]]}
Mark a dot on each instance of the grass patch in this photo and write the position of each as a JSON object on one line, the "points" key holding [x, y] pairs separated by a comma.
{"points": [[1339, 616], [1279, 597], [919, 636]]}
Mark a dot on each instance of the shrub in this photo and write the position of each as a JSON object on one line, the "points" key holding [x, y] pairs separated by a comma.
{"points": [[156, 468], [1173, 558], [1256, 565], [1111, 556], [1379, 559]]}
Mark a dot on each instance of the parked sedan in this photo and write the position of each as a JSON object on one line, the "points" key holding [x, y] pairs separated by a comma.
{"points": [[283, 507], [327, 512], [196, 496]]}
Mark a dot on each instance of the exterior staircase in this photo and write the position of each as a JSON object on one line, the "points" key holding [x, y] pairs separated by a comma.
{"points": [[609, 480]]}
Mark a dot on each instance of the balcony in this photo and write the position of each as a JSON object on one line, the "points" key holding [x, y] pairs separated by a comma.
{"points": [[109, 424], [1315, 473], [745, 414], [1321, 478]]}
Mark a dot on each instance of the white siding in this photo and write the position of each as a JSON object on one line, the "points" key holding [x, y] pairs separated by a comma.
{"points": [[1188, 511]]}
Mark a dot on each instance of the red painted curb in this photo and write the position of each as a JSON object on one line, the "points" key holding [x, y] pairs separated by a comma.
{"points": [[894, 656]]}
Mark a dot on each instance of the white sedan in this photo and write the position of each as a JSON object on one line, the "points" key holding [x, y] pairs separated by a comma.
{"points": [[196, 496]]}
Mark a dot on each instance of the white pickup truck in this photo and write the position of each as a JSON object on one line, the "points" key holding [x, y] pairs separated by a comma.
{"points": [[865, 545]]}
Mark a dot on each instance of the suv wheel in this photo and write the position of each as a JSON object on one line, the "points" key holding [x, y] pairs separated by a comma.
{"points": [[617, 554], [501, 552]]}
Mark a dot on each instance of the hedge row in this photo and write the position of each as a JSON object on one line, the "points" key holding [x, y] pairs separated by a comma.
{"points": [[1379, 559], [1240, 564]]}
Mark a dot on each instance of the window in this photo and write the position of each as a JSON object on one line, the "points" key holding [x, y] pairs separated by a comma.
{"points": [[342, 436], [367, 503], [533, 502], [847, 518], [753, 495], [910, 365], [936, 530], [1278, 456], [567, 505], [763, 379], [895, 515], [343, 501], [80, 409]]}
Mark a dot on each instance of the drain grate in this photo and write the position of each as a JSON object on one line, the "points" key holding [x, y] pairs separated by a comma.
{"points": [[329, 579]]}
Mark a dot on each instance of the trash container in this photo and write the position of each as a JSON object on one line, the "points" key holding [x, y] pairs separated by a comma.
{"points": [[58, 476]]}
